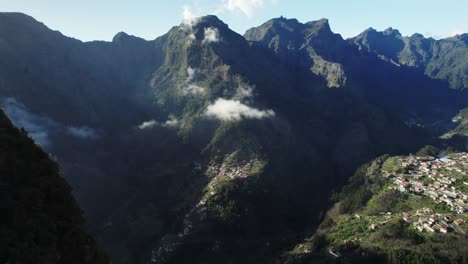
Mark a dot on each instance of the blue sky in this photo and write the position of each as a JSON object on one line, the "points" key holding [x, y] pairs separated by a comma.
{"points": [[102, 19]]}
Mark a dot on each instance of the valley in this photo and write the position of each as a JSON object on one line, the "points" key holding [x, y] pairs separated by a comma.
{"points": [[208, 146]]}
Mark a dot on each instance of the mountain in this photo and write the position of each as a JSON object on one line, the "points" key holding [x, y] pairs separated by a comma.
{"points": [[313, 44], [444, 59], [207, 146], [390, 212], [342, 64], [41, 221]]}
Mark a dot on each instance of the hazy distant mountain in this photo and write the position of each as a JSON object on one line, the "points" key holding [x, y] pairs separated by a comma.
{"points": [[203, 145], [41, 221], [445, 59]]}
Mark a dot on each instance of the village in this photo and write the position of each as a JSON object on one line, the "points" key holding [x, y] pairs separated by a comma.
{"points": [[439, 178], [232, 171]]}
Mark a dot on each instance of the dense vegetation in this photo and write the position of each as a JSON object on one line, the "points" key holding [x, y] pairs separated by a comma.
{"points": [[41, 221]]}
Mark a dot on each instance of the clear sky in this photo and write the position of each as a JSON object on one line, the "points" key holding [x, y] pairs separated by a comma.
{"points": [[102, 19]]}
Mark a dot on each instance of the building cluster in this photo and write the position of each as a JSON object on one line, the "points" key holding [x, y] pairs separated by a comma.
{"points": [[433, 177], [232, 171], [427, 220]]}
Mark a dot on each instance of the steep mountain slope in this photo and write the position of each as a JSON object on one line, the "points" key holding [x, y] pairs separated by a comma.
{"points": [[444, 59], [41, 221], [202, 146]]}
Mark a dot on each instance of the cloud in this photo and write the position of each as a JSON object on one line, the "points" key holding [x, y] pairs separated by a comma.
{"points": [[245, 6], [189, 18], [433, 35], [82, 132], [148, 124], [193, 89], [191, 74], [172, 121], [37, 126], [232, 110], [245, 92], [40, 127], [188, 86], [211, 35], [456, 32], [453, 33]]}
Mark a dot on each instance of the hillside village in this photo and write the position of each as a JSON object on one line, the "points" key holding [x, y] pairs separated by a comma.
{"points": [[430, 199], [443, 179], [232, 171], [219, 174]]}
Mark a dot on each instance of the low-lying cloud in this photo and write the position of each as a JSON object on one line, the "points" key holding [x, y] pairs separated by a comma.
{"points": [[37, 126], [147, 124], [211, 35], [41, 127], [234, 110], [172, 121], [245, 91], [189, 87], [82, 132]]}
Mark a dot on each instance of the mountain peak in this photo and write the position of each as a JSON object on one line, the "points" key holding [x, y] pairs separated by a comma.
{"points": [[120, 37], [21, 20], [417, 36], [123, 37], [320, 25], [16, 16], [463, 37], [322, 21], [392, 32], [209, 21]]}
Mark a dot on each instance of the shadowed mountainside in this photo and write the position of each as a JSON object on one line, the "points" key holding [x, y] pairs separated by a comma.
{"points": [[41, 221]]}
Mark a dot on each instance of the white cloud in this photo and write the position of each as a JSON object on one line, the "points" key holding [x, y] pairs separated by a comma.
{"points": [[245, 92], [191, 74], [148, 124], [232, 110], [245, 6], [433, 35], [40, 127], [188, 86], [211, 35], [190, 19], [452, 33], [193, 89], [456, 32], [172, 121]]}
